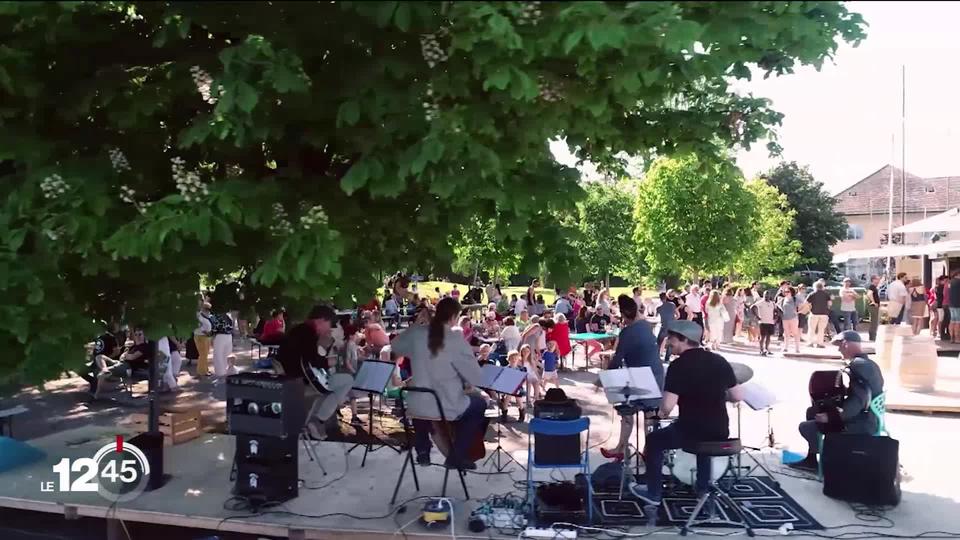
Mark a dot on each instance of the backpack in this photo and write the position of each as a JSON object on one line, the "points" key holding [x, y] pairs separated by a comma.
{"points": [[221, 323]]}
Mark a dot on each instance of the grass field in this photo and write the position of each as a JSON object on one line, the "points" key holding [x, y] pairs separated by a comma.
{"points": [[426, 288]]}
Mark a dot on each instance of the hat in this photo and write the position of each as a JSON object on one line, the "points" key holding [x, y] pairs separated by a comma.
{"points": [[848, 335], [687, 329]]}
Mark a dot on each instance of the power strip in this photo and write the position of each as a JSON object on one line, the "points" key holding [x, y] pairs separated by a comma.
{"points": [[531, 532]]}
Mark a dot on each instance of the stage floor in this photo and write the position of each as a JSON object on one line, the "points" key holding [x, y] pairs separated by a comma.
{"points": [[195, 495]]}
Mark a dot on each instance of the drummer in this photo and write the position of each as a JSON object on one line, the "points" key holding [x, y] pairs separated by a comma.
{"points": [[701, 382]]}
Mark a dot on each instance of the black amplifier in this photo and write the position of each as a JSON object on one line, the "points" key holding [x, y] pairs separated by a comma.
{"points": [[265, 404]]}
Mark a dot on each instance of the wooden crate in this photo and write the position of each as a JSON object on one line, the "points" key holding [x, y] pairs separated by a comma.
{"points": [[177, 427]]}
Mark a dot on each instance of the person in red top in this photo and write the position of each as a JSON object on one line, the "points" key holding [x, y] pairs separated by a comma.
{"points": [[561, 334], [274, 329], [372, 305]]}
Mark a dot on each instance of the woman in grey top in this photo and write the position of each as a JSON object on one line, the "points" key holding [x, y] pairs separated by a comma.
{"points": [[790, 318]]}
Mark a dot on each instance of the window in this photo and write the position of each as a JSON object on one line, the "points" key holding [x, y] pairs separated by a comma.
{"points": [[854, 231], [931, 189], [852, 194]]}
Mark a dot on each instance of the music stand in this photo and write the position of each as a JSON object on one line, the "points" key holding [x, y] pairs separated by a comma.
{"points": [[758, 398], [372, 378], [504, 381], [628, 386]]}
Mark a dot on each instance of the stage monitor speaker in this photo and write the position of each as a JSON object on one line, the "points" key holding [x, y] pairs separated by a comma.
{"points": [[861, 469], [151, 444]]}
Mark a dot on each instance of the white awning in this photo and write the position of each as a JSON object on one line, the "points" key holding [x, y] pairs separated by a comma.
{"points": [[898, 251], [948, 221]]}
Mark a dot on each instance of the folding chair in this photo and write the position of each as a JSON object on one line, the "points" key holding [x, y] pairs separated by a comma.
{"points": [[442, 428], [539, 426]]}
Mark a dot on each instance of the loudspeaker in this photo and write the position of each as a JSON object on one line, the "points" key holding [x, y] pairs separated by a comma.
{"points": [[151, 444], [266, 449], [275, 481], [861, 468]]}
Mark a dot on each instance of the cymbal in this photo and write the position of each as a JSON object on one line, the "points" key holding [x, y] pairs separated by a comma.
{"points": [[742, 372]]}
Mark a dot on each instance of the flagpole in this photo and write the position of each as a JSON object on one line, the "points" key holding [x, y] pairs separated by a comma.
{"points": [[903, 146], [890, 199]]}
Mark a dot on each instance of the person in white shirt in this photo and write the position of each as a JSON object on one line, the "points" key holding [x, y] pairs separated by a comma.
{"points": [[510, 335], [694, 308], [848, 305], [520, 306], [897, 298]]}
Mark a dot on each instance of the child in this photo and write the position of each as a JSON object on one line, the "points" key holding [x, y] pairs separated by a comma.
{"points": [[550, 360], [532, 366], [764, 310], [351, 360], [514, 361]]}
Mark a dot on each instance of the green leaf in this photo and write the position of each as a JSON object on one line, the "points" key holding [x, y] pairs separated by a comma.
{"points": [[682, 35], [246, 97], [348, 114], [355, 178], [15, 239], [499, 79], [223, 231], [402, 17], [36, 296], [385, 13], [572, 40]]}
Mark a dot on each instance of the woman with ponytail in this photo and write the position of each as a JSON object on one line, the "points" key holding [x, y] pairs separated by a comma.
{"points": [[443, 362]]}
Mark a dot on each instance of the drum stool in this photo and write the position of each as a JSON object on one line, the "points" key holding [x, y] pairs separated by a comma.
{"points": [[715, 494]]}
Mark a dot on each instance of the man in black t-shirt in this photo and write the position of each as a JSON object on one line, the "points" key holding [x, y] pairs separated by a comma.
{"points": [[873, 306], [700, 382]]}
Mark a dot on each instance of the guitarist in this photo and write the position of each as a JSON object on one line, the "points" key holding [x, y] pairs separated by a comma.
{"points": [[304, 353], [866, 383]]}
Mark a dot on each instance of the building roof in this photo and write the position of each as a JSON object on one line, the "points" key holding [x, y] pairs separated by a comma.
{"points": [[871, 195]]}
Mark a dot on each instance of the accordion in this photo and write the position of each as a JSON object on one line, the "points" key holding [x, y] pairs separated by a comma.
{"points": [[827, 392]]}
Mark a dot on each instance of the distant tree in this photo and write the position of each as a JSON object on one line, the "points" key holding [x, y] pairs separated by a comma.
{"points": [[692, 217], [772, 246], [818, 225], [606, 239], [483, 246]]}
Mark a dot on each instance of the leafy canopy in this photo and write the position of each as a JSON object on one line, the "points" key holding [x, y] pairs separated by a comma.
{"points": [[692, 217], [772, 246], [606, 237], [307, 144], [818, 225]]}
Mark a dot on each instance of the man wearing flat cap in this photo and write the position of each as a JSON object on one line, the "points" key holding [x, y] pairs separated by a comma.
{"points": [[700, 382], [866, 383]]}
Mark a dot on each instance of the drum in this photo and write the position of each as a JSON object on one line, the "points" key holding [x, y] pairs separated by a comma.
{"points": [[685, 467]]}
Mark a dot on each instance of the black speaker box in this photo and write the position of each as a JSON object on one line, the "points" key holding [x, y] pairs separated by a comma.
{"points": [[151, 444], [861, 469], [267, 482]]}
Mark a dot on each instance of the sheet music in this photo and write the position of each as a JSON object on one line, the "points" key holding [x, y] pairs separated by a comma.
{"points": [[373, 376], [641, 381], [504, 380], [757, 397]]}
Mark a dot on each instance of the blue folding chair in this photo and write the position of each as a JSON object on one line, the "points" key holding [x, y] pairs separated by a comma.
{"points": [[539, 426]]}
